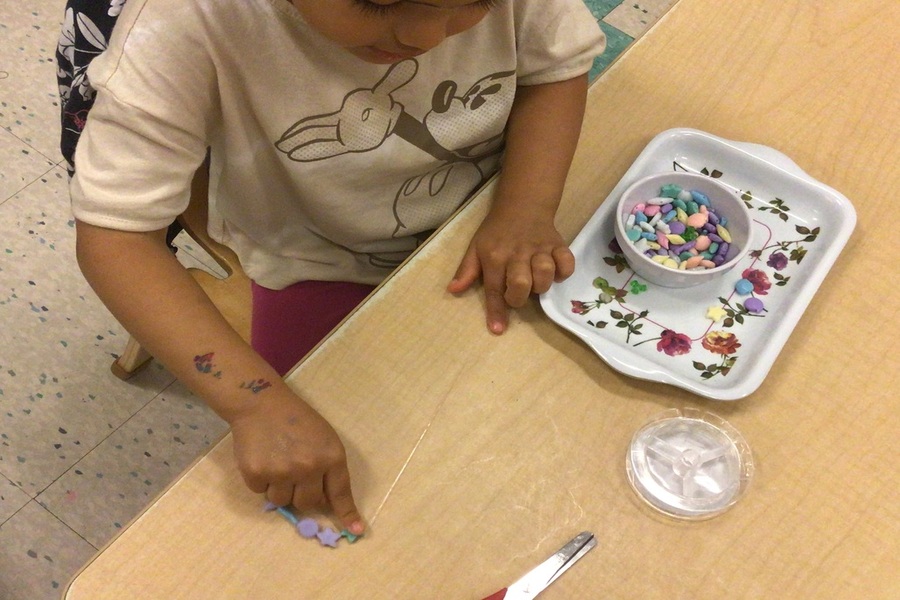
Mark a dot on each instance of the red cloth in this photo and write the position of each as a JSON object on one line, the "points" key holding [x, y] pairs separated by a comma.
{"points": [[288, 323]]}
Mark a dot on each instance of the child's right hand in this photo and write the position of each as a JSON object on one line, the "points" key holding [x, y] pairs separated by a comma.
{"points": [[290, 453]]}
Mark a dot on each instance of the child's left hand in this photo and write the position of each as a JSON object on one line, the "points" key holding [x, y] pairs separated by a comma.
{"points": [[514, 256]]}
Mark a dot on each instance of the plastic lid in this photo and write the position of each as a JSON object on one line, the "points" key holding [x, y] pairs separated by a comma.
{"points": [[689, 464]]}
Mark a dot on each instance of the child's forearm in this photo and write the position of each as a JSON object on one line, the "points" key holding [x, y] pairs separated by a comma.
{"points": [[517, 250], [157, 300], [283, 447], [541, 137]]}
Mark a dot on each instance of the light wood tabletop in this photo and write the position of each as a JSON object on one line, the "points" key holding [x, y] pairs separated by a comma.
{"points": [[475, 456]]}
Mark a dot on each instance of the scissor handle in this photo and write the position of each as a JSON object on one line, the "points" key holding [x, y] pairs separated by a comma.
{"points": [[498, 595]]}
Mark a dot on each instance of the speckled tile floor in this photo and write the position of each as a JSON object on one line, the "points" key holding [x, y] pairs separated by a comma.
{"points": [[81, 452]]}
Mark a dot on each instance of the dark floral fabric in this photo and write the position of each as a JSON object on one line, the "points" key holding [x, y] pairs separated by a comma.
{"points": [[85, 33], [87, 26]]}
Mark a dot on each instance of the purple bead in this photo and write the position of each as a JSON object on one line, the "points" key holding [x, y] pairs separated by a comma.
{"points": [[665, 208], [715, 238], [308, 528], [676, 248], [723, 249], [677, 227], [329, 537], [688, 245], [718, 260], [713, 217], [754, 305], [709, 228]]}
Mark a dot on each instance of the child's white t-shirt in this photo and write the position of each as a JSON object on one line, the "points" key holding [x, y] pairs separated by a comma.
{"points": [[323, 166]]}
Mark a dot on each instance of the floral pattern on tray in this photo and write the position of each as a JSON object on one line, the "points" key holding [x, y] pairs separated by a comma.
{"points": [[705, 339], [715, 340]]}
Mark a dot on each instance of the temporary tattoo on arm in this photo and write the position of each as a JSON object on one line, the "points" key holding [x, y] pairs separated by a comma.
{"points": [[204, 364], [256, 386]]}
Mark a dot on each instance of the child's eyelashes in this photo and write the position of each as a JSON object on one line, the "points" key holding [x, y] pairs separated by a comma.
{"points": [[375, 8]]}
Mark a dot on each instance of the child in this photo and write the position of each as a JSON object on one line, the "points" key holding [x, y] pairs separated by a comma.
{"points": [[341, 132]]}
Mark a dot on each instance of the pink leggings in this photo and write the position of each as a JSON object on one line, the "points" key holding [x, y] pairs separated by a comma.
{"points": [[288, 323]]}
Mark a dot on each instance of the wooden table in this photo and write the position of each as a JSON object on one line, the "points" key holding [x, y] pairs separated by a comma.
{"points": [[475, 456]]}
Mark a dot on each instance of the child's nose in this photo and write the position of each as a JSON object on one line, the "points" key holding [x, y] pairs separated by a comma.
{"points": [[423, 32]]}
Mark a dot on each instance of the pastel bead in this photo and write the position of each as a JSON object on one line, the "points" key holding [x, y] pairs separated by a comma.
{"points": [[723, 233], [754, 305], [697, 220], [329, 537], [702, 243], [670, 190], [700, 198], [633, 234], [677, 227], [651, 210], [709, 264], [308, 528], [743, 287], [693, 261], [350, 537], [674, 238]]}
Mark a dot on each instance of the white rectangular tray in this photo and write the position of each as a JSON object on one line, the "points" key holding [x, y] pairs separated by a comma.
{"points": [[799, 228]]}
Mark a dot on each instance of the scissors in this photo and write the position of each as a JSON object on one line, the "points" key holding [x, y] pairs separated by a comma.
{"points": [[535, 581]]}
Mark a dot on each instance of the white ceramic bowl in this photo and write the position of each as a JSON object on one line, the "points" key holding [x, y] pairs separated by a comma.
{"points": [[724, 201]]}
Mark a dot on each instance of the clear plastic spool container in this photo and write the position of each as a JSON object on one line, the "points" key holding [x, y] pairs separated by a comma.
{"points": [[689, 464]]}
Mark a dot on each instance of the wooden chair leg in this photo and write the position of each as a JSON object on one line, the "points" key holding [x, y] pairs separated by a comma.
{"points": [[133, 359]]}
